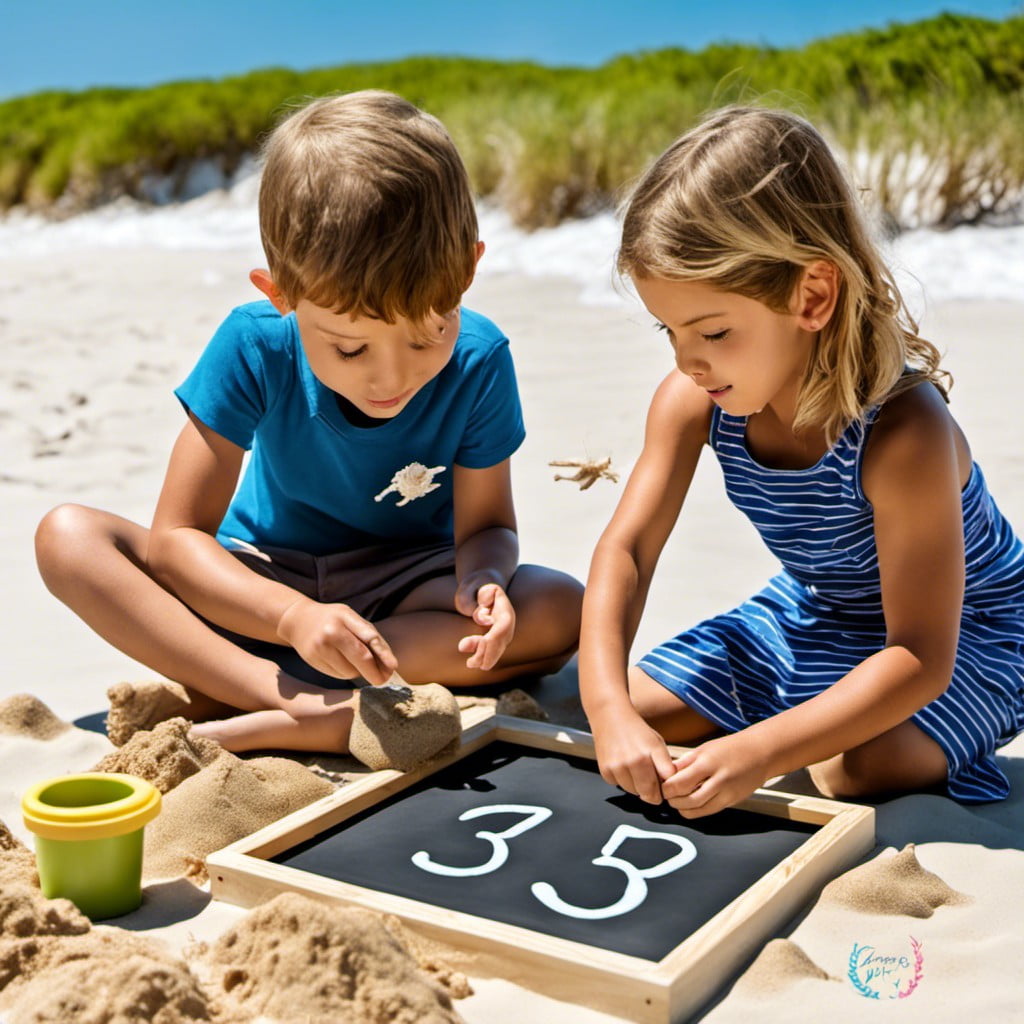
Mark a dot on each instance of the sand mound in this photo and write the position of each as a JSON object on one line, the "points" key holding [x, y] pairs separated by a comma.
{"points": [[779, 965], [102, 977], [399, 726], [25, 912], [892, 884], [25, 715], [519, 704], [166, 755], [296, 960], [17, 861], [222, 802], [140, 706]]}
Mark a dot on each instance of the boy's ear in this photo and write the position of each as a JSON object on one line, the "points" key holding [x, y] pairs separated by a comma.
{"points": [[265, 283], [817, 295], [476, 262]]}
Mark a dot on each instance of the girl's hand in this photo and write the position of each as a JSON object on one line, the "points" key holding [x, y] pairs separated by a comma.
{"points": [[715, 775], [335, 640], [488, 606], [632, 756]]}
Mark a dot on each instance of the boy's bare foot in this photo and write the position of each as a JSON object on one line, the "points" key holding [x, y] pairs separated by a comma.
{"points": [[400, 726]]}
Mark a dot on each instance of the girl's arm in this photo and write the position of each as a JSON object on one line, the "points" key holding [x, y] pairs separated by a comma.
{"points": [[914, 469], [486, 557], [186, 557], [630, 753]]}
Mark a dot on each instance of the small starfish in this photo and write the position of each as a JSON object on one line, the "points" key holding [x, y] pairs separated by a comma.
{"points": [[587, 471]]}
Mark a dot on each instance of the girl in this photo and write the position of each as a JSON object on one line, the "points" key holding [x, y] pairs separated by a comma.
{"points": [[888, 655]]}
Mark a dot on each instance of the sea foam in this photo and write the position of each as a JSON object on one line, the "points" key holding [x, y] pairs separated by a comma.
{"points": [[965, 263]]}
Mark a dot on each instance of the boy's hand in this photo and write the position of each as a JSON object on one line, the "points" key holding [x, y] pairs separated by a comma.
{"points": [[487, 605], [715, 775], [335, 640]]}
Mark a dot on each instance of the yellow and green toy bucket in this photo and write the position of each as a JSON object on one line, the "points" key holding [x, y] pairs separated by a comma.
{"points": [[88, 831]]}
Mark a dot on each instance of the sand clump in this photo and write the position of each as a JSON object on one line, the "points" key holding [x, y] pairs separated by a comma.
{"points": [[519, 704], [25, 715], [892, 884], [104, 976], [299, 961], [780, 963], [165, 755], [25, 912], [228, 799], [136, 707], [17, 861], [399, 726]]}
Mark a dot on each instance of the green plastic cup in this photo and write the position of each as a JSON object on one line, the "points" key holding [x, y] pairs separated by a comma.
{"points": [[88, 834]]}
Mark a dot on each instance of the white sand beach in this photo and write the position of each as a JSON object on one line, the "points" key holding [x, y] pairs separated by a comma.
{"points": [[93, 338]]}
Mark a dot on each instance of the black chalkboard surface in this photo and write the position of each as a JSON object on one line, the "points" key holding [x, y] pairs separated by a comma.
{"points": [[512, 833]]}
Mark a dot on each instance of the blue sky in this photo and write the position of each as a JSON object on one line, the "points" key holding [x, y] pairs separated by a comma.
{"points": [[74, 44]]}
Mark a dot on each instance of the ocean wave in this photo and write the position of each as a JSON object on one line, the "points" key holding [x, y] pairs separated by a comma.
{"points": [[965, 263]]}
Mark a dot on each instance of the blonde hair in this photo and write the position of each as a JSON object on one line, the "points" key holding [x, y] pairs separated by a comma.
{"points": [[745, 202], [366, 208]]}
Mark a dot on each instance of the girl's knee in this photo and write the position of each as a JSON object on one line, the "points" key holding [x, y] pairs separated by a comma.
{"points": [[903, 760], [662, 710]]}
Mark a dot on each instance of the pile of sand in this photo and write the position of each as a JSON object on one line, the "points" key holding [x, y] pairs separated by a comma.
{"points": [[103, 976], [892, 884], [299, 961], [399, 726], [515, 702], [17, 861], [228, 799], [166, 755], [780, 964], [25, 715], [136, 707]]}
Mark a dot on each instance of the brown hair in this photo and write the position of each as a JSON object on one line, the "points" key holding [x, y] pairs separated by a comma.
{"points": [[744, 202], [366, 208]]}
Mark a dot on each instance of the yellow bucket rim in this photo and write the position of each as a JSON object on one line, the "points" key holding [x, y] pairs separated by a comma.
{"points": [[90, 821]]}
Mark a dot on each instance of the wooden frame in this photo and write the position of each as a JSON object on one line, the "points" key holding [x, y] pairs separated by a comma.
{"points": [[669, 990]]}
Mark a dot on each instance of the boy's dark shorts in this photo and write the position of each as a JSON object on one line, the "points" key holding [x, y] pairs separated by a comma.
{"points": [[371, 581]]}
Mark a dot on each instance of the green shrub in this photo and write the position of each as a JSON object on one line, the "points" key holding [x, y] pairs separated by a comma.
{"points": [[929, 113]]}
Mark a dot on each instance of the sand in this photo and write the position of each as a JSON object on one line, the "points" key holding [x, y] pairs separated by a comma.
{"points": [[91, 345], [220, 803], [294, 959], [166, 755], [400, 727]]}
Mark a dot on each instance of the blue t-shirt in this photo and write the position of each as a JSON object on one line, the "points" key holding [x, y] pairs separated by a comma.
{"points": [[317, 483]]}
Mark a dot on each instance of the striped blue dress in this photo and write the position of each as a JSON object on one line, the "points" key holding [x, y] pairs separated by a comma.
{"points": [[822, 614]]}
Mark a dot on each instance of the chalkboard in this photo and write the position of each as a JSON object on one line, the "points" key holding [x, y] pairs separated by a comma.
{"points": [[553, 815], [514, 851]]}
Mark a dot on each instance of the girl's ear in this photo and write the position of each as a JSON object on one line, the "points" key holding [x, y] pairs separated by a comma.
{"points": [[265, 283], [816, 295]]}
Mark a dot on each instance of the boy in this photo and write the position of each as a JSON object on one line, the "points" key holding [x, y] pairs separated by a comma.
{"points": [[373, 530]]}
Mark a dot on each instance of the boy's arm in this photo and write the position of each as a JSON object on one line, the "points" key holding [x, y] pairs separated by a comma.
{"points": [[486, 557], [911, 476], [186, 557]]}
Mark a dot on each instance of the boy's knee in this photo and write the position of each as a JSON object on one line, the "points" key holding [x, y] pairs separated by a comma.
{"points": [[555, 604], [67, 542], [59, 533]]}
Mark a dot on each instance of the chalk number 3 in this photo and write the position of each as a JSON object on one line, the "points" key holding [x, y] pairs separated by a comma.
{"points": [[636, 878]]}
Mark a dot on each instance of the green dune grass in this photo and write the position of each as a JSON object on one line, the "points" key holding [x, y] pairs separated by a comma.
{"points": [[930, 115]]}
